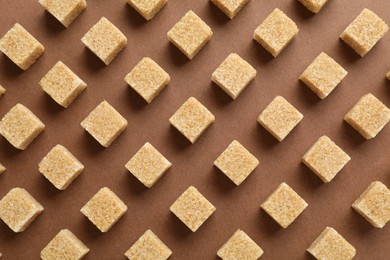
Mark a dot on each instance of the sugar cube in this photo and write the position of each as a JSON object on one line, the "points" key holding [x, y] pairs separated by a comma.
{"points": [[230, 7], [190, 34], [2, 168], [20, 126], [233, 75], [64, 11], [240, 246], [105, 40], [368, 116], [388, 75], [364, 32], [18, 209], [21, 47], [148, 9], [314, 5], [2, 90]]}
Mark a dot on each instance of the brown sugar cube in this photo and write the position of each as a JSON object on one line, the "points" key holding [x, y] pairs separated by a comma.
{"points": [[276, 32], [148, 79], [323, 75], [65, 245], [104, 209], [104, 123], [279, 118], [236, 162], [148, 165], [192, 119], [60, 167], [2, 168], [364, 32], [21, 47], [64, 11], [284, 205], [20, 126], [331, 245], [368, 116], [192, 208], [314, 5], [18, 209], [2, 90], [230, 7], [374, 204], [62, 84], [325, 159], [240, 246], [233, 75], [388, 75], [148, 246], [105, 40], [149, 8], [190, 34]]}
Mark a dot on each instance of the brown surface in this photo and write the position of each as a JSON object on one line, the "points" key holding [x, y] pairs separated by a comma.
{"points": [[237, 207]]}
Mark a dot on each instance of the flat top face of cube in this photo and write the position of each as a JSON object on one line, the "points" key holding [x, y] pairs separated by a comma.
{"points": [[65, 245], [147, 78], [240, 246], [323, 75], [280, 118], [105, 40], [18, 209], [61, 83], [369, 115], [365, 31], [314, 5], [22, 51], [19, 126], [325, 158], [233, 75], [284, 205], [148, 165], [60, 167], [64, 10], [104, 123], [148, 246], [374, 204], [192, 119], [104, 209], [236, 162], [190, 34], [276, 31], [192, 208], [331, 245]]}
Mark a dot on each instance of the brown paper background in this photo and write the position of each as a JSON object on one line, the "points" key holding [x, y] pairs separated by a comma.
{"points": [[237, 207]]}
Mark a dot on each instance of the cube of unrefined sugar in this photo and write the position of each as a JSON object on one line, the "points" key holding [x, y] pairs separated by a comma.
{"points": [[147, 78], [21, 47], [323, 75], [62, 84], [2, 90], [192, 119], [240, 246], [276, 32], [18, 209], [20, 126], [190, 34], [148, 9], [331, 245], [368, 116], [65, 245], [284, 205], [104, 123], [325, 158], [2, 168], [388, 75], [148, 165], [230, 7], [104, 209], [364, 32], [280, 118], [105, 40], [236, 162], [64, 11], [60, 167], [374, 204], [148, 246], [314, 5], [233, 75], [192, 208]]}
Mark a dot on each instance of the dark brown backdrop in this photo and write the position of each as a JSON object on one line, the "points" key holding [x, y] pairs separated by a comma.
{"points": [[237, 207]]}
